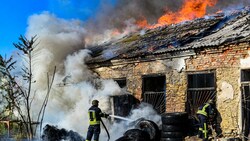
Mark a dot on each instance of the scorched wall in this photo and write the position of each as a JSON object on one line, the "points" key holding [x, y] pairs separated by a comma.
{"points": [[224, 60]]}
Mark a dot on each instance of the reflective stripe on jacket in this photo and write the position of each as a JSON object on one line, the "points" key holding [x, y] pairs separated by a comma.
{"points": [[203, 111], [94, 115]]}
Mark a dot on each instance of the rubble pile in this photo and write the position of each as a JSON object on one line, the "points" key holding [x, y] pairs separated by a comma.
{"points": [[52, 133]]}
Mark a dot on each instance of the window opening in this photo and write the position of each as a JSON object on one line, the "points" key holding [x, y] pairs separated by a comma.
{"points": [[245, 95], [153, 92], [245, 75], [201, 88]]}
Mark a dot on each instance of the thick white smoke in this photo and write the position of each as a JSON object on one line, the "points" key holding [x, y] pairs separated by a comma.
{"points": [[144, 110], [61, 44]]}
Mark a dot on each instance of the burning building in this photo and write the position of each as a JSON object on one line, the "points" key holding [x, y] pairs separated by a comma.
{"points": [[175, 65], [178, 67]]}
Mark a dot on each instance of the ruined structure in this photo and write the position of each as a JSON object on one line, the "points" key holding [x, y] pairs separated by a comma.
{"points": [[178, 67]]}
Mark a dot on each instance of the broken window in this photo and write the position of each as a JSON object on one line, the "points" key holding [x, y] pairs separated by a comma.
{"points": [[201, 88], [245, 87], [153, 91]]}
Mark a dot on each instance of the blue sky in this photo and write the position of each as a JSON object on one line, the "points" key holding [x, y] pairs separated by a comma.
{"points": [[14, 15]]}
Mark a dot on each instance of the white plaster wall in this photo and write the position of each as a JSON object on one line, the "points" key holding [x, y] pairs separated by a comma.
{"points": [[245, 63], [227, 91], [175, 63]]}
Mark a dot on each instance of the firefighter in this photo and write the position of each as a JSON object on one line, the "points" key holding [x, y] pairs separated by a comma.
{"points": [[95, 115], [206, 114]]}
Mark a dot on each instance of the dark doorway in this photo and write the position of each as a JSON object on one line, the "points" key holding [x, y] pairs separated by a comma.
{"points": [[123, 104], [201, 88], [153, 91], [245, 87]]}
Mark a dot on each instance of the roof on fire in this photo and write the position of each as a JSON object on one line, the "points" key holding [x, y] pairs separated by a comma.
{"points": [[213, 30]]}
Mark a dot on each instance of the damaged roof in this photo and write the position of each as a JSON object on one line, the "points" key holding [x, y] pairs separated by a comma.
{"points": [[210, 31]]}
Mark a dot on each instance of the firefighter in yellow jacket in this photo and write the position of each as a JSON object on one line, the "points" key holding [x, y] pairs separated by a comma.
{"points": [[95, 115], [205, 114]]}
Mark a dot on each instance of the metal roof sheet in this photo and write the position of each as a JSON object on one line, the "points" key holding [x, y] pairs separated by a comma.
{"points": [[203, 32]]}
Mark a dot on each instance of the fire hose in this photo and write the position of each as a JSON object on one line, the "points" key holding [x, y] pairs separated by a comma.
{"points": [[106, 129]]}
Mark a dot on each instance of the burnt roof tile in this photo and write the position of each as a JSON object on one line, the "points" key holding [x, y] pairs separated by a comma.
{"points": [[203, 32]]}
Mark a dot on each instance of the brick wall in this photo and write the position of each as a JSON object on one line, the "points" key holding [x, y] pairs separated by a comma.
{"points": [[226, 61], [175, 80]]}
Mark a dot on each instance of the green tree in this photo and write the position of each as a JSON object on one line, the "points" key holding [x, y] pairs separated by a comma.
{"points": [[20, 97]]}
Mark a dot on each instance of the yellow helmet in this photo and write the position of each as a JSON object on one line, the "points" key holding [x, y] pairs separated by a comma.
{"points": [[95, 102]]}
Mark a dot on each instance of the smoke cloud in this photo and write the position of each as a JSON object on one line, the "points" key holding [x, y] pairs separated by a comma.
{"points": [[61, 44], [127, 11], [229, 5]]}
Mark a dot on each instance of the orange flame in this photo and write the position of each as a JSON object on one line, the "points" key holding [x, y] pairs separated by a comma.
{"points": [[190, 10], [115, 32], [142, 23]]}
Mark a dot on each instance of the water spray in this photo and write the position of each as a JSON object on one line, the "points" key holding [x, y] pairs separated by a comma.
{"points": [[123, 118]]}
